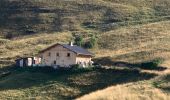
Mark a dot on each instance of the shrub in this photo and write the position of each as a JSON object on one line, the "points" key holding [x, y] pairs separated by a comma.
{"points": [[152, 64], [79, 69], [88, 45], [91, 43], [79, 40], [75, 67]]}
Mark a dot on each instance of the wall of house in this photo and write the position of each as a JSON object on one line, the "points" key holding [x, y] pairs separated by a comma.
{"points": [[36, 61], [21, 63], [83, 60], [29, 62], [62, 59]]}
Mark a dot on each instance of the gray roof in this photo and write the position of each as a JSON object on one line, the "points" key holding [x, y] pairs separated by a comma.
{"points": [[78, 50]]}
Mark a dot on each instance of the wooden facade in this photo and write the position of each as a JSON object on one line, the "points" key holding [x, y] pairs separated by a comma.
{"points": [[65, 55]]}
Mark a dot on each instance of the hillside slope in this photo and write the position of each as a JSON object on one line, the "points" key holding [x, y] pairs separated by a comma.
{"points": [[20, 17], [127, 31], [137, 43]]}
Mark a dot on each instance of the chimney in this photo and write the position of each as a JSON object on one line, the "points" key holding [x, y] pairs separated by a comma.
{"points": [[71, 43]]}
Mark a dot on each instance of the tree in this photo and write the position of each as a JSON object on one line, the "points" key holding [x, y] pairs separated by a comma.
{"points": [[79, 40], [91, 43]]}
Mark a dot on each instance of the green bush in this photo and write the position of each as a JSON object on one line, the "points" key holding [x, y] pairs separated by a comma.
{"points": [[79, 69], [88, 45], [79, 40], [91, 43], [75, 66]]}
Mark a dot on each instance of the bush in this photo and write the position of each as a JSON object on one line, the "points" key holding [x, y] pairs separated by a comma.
{"points": [[75, 66], [91, 43], [79, 69], [88, 45], [152, 64], [79, 40]]}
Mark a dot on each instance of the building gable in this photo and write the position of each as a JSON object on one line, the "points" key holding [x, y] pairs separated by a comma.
{"points": [[76, 49]]}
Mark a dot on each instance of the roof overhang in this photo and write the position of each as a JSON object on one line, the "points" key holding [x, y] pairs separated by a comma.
{"points": [[48, 48]]}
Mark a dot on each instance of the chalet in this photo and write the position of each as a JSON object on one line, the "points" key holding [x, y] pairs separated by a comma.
{"points": [[64, 55]]}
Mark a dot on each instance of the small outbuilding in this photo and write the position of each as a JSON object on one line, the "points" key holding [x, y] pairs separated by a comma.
{"points": [[28, 61]]}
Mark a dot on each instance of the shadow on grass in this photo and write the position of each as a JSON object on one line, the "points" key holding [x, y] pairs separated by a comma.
{"points": [[107, 61], [85, 81], [167, 89], [107, 77], [163, 83]]}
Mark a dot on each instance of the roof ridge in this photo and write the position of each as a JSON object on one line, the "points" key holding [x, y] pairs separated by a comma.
{"points": [[77, 49], [85, 52]]}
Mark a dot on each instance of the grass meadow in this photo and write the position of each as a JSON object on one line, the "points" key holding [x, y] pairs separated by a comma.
{"points": [[129, 33]]}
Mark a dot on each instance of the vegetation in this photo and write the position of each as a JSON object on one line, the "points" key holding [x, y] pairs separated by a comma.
{"points": [[126, 36], [91, 43], [23, 17], [79, 40], [38, 83], [154, 64], [163, 83]]}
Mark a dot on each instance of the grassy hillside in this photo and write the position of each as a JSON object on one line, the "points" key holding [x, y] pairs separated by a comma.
{"points": [[35, 83], [152, 42], [20, 17], [137, 43], [128, 32], [138, 91]]}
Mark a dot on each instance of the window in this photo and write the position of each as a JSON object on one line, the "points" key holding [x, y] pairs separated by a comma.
{"points": [[49, 54], [57, 54], [68, 54], [55, 62]]}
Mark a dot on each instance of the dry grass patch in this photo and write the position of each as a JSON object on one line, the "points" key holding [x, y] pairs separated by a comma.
{"points": [[136, 43], [30, 45], [132, 91]]}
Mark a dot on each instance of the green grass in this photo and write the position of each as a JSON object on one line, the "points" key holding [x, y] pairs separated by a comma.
{"points": [[34, 83]]}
